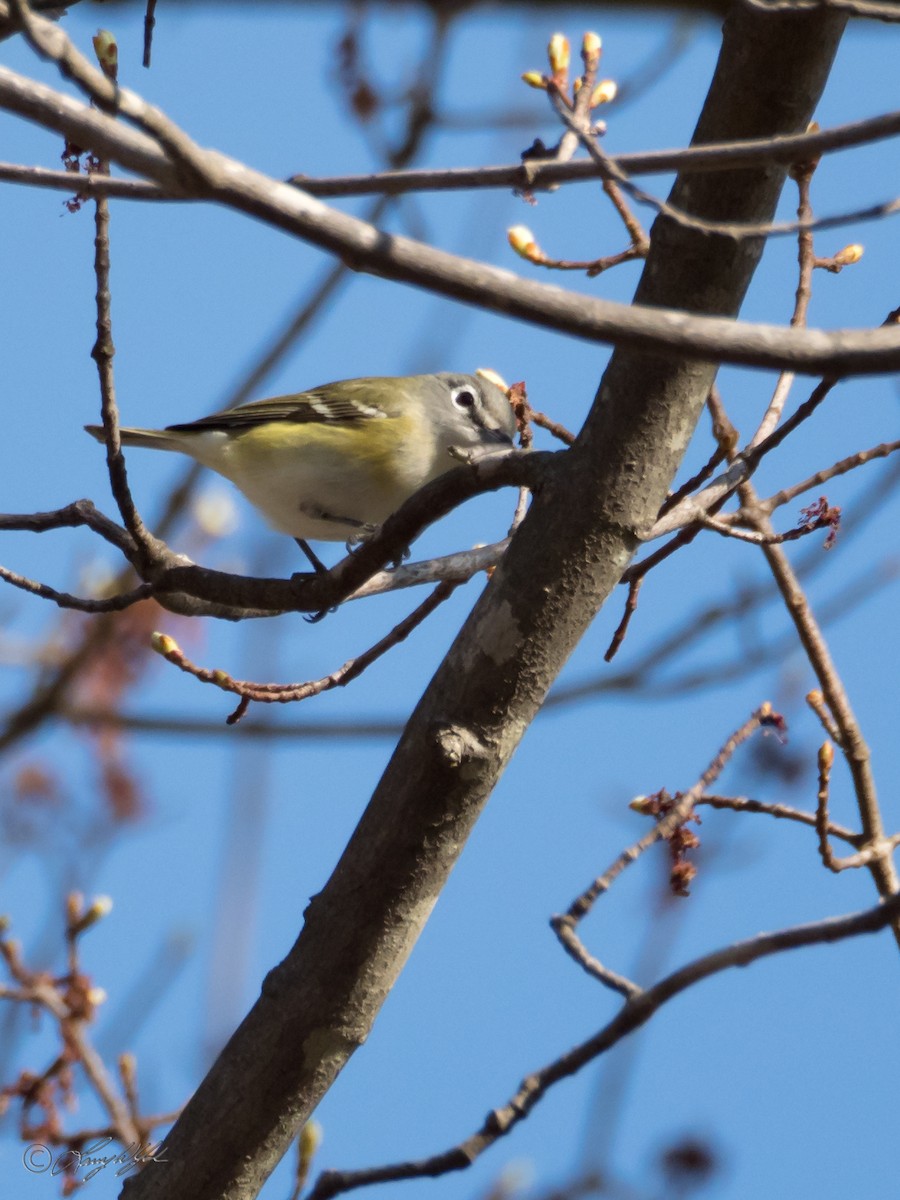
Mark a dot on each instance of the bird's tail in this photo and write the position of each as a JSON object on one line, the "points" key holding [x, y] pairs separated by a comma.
{"points": [[155, 439]]}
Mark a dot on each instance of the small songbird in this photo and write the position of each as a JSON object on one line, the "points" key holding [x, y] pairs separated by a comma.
{"points": [[333, 463]]}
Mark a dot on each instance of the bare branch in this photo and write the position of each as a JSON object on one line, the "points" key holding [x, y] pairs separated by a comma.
{"points": [[756, 538], [79, 512], [852, 741], [78, 603], [636, 1012], [539, 173], [103, 353], [839, 468], [816, 702], [868, 852], [149, 26], [743, 463], [88, 186], [735, 230], [783, 812], [215, 177], [802, 174], [289, 693], [672, 819], [533, 175], [183, 587], [690, 485], [449, 568]]}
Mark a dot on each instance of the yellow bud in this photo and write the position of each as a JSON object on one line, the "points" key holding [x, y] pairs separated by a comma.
{"points": [[591, 44], [492, 377], [535, 79], [826, 756], [765, 709], [100, 907], [163, 644], [96, 996], [638, 804], [558, 54], [221, 678], [849, 255], [522, 241], [107, 52], [605, 91], [577, 85]]}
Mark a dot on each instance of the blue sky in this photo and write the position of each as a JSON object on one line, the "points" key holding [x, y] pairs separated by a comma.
{"points": [[780, 1065]]}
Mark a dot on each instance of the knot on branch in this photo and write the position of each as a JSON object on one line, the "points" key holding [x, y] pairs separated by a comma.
{"points": [[458, 746]]}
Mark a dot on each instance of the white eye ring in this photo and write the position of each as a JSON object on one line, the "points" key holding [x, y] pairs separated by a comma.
{"points": [[464, 399]]}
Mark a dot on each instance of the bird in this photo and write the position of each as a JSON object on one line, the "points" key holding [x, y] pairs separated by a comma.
{"points": [[332, 463]]}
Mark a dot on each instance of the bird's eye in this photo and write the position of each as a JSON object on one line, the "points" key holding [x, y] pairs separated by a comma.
{"points": [[464, 398]]}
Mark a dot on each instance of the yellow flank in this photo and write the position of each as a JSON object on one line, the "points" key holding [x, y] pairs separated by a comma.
{"points": [[390, 457], [355, 472]]}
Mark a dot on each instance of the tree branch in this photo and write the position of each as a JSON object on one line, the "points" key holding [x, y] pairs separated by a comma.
{"points": [[213, 176], [533, 175]]}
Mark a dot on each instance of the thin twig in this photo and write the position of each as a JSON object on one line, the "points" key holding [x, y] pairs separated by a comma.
{"points": [[755, 538], [777, 499], [690, 485], [149, 25], [103, 353], [852, 742], [290, 693], [79, 512], [554, 428], [88, 186], [868, 852], [802, 175], [825, 763], [693, 509], [784, 812], [737, 231], [816, 702], [565, 925], [535, 174], [631, 603], [77, 603], [582, 905], [628, 681], [70, 1002]]}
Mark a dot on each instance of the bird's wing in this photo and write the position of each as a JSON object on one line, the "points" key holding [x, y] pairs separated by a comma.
{"points": [[344, 401]]}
